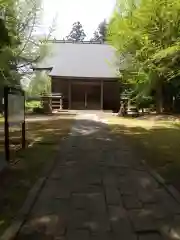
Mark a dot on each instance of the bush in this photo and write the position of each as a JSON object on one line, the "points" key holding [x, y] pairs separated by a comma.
{"points": [[31, 105], [38, 110]]}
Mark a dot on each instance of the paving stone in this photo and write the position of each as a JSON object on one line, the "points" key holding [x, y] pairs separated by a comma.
{"points": [[162, 194], [147, 196], [150, 236], [98, 223], [78, 235], [56, 189], [142, 221], [57, 229], [164, 227], [70, 163], [56, 176], [117, 163], [144, 180], [96, 203], [122, 227], [93, 189], [126, 187], [79, 201], [110, 180], [78, 186], [113, 196], [123, 171], [119, 221], [131, 202], [128, 236], [158, 211], [139, 167], [34, 236], [174, 231], [51, 206], [166, 206], [69, 173], [59, 238], [50, 225], [78, 219], [116, 213], [102, 236], [94, 179]]}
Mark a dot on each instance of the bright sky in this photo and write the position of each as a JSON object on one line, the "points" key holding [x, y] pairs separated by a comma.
{"points": [[89, 12]]}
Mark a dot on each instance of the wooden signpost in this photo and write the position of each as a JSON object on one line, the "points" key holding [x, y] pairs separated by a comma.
{"points": [[14, 114]]}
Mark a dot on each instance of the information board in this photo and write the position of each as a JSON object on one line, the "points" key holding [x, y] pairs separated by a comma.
{"points": [[15, 108], [14, 114]]}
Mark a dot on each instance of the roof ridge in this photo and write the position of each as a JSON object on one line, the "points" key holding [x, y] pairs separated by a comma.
{"points": [[77, 42]]}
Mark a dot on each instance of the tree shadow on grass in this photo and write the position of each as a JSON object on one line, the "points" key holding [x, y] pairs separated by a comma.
{"points": [[159, 146], [91, 160], [27, 165]]}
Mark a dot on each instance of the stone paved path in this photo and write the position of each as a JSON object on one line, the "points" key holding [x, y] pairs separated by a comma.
{"points": [[98, 190]]}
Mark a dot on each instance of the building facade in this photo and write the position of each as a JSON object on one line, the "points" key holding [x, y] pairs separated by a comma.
{"points": [[87, 93], [84, 74]]}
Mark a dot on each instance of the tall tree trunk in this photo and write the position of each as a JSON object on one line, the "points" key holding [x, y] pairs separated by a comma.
{"points": [[1, 100], [159, 99]]}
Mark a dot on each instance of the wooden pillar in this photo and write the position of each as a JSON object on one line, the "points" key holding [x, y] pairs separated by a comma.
{"points": [[69, 94], [102, 94], [61, 103], [85, 100]]}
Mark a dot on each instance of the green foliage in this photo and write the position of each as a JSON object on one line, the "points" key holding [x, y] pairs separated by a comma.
{"points": [[149, 32], [100, 33], [19, 46], [40, 83], [77, 33], [33, 104]]}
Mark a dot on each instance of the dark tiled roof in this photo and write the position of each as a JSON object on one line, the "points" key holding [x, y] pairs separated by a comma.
{"points": [[88, 60]]}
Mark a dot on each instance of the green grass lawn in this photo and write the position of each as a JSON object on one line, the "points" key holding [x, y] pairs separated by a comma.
{"points": [[157, 142], [27, 165]]}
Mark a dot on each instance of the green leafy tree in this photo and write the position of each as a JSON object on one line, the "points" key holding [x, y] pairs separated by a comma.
{"points": [[100, 33], [20, 45], [77, 33], [39, 83], [22, 19], [148, 32]]}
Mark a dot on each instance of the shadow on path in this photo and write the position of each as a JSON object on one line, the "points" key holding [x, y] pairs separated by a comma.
{"points": [[99, 190]]}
